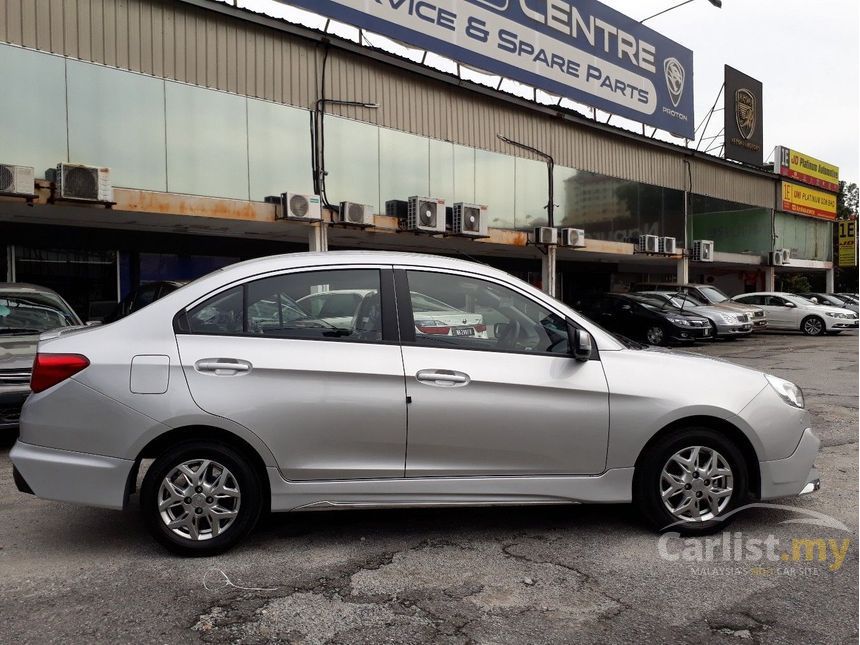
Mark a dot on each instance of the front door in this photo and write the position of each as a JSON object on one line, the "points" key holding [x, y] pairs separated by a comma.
{"points": [[493, 388], [326, 395]]}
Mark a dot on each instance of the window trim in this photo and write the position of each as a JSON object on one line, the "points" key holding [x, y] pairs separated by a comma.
{"points": [[181, 324]]}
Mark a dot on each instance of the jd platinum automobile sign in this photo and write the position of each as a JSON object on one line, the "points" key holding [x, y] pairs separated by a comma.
{"points": [[744, 135], [581, 50]]}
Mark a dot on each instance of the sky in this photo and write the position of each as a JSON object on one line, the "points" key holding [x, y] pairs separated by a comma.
{"points": [[805, 52]]}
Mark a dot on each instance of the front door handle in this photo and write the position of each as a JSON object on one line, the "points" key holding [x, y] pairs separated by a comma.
{"points": [[443, 378], [223, 366]]}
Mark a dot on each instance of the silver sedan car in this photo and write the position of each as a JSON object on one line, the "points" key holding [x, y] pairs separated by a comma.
{"points": [[245, 404]]}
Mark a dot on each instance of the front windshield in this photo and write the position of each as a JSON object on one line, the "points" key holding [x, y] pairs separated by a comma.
{"points": [[654, 303], [33, 313], [713, 294]]}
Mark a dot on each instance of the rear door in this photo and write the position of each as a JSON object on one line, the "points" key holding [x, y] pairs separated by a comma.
{"points": [[508, 401], [328, 399]]}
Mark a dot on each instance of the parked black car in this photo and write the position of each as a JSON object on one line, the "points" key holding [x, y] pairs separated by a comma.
{"points": [[644, 318], [142, 296]]}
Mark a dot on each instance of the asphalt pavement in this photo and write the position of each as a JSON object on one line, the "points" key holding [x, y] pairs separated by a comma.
{"points": [[561, 574]]}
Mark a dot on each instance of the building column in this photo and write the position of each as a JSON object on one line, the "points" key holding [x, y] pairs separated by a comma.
{"points": [[683, 270], [830, 278], [769, 278], [548, 270], [318, 237]]}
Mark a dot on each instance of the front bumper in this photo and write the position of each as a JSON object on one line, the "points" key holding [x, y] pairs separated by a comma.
{"points": [[841, 323], [793, 475], [689, 334], [67, 476]]}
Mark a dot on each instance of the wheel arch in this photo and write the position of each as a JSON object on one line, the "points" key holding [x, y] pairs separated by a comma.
{"points": [[731, 431]]}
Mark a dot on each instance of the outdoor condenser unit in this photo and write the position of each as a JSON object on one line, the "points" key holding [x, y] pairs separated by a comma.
{"points": [[294, 206], [77, 182], [398, 208], [786, 256], [17, 180], [668, 245], [572, 237], [470, 219], [649, 244], [777, 258], [703, 251], [545, 235], [355, 214], [426, 214]]}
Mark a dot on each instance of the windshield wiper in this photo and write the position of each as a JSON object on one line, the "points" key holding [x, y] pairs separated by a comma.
{"points": [[15, 331]]}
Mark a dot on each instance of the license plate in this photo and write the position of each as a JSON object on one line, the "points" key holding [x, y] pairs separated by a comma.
{"points": [[464, 331], [707, 332]]}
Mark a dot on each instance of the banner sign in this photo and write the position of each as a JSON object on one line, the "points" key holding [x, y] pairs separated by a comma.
{"points": [[578, 49], [803, 200], [809, 170], [744, 130], [848, 243]]}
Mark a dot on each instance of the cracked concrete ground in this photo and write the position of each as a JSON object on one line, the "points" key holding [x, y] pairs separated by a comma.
{"points": [[585, 574]]}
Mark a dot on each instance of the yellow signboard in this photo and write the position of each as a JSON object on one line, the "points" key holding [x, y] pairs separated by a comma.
{"points": [[804, 200], [809, 170], [848, 243]]}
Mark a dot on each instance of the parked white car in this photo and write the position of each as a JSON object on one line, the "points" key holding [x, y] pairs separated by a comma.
{"points": [[790, 311]]}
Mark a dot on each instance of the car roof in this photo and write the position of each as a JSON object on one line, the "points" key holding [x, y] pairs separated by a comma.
{"points": [[24, 287]]}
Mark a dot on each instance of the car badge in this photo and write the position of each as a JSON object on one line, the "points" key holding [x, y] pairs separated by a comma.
{"points": [[745, 113], [676, 77]]}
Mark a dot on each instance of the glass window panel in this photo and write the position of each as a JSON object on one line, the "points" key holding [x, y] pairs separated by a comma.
{"points": [[279, 149], [495, 178], [442, 171], [404, 165], [532, 193], [464, 174], [207, 142], [352, 162], [565, 214], [735, 228], [116, 119], [33, 127]]}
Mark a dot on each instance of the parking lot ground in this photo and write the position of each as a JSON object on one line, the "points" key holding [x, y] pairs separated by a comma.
{"points": [[585, 574]]}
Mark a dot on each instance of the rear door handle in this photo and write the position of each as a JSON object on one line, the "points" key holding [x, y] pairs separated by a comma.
{"points": [[443, 378], [223, 366]]}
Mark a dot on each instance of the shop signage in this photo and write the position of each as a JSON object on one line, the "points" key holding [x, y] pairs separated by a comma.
{"points": [[578, 49], [803, 200], [848, 243], [809, 170], [744, 130]]}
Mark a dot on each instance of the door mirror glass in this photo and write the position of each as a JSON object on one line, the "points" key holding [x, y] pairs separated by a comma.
{"points": [[788, 304], [581, 343]]}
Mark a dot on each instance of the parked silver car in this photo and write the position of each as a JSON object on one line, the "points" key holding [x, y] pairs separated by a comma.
{"points": [[26, 310], [241, 416], [726, 322]]}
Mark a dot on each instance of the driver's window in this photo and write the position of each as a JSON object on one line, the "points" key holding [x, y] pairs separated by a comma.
{"points": [[468, 313], [774, 301]]}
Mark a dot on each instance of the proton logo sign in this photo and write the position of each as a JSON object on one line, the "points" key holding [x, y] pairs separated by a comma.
{"points": [[745, 113], [581, 50], [676, 76], [743, 118]]}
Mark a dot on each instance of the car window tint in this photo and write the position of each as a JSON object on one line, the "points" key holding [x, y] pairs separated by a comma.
{"points": [[469, 313], [297, 305], [145, 296]]}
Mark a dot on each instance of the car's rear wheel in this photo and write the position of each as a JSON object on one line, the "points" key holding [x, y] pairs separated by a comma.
{"points": [[655, 335], [200, 498], [690, 481], [813, 326]]}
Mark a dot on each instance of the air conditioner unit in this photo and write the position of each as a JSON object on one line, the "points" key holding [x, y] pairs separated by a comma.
{"points": [[397, 208], [545, 235], [470, 219], [649, 244], [777, 258], [294, 206], [77, 182], [426, 214], [668, 245], [703, 251], [786, 256], [355, 214], [17, 180], [573, 237]]}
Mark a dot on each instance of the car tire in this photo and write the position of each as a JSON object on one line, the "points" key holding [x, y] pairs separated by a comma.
{"points": [[655, 336], [813, 326], [202, 524], [658, 459]]}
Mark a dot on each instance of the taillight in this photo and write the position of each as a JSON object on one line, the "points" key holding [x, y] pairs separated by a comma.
{"points": [[480, 328], [438, 331], [50, 369]]}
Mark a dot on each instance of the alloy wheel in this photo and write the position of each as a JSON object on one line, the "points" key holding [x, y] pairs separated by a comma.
{"points": [[813, 326], [199, 499], [654, 336], [696, 484]]}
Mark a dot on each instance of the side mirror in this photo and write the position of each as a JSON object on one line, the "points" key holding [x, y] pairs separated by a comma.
{"points": [[791, 305], [626, 308], [580, 343]]}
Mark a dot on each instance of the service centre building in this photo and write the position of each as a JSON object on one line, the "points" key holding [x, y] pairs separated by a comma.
{"points": [[196, 112]]}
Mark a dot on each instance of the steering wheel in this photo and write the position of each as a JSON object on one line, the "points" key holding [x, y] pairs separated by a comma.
{"points": [[508, 339]]}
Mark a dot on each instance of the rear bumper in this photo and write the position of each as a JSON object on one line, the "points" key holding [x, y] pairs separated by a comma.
{"points": [[67, 476], [794, 474]]}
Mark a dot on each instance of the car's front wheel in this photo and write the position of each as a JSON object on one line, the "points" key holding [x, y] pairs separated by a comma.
{"points": [[200, 498], [813, 326], [655, 335], [690, 481]]}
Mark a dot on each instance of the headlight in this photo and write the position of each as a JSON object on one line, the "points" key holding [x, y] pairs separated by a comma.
{"points": [[787, 390], [729, 319], [683, 322], [836, 314]]}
